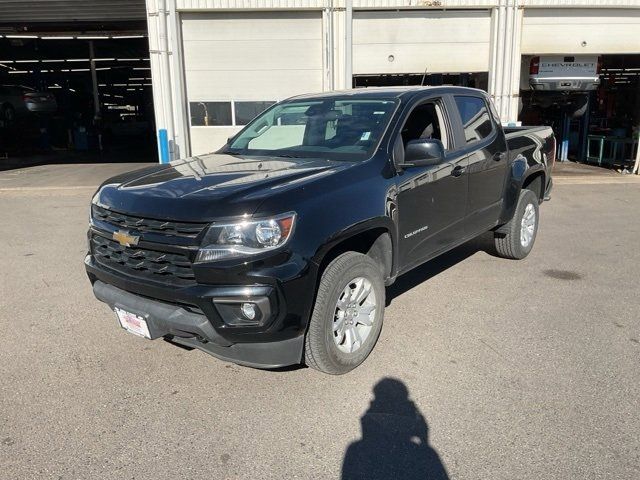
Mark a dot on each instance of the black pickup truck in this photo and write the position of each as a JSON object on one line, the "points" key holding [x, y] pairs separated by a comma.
{"points": [[276, 249]]}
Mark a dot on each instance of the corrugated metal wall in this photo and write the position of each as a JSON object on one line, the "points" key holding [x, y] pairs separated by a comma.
{"points": [[580, 3], [20, 11], [298, 4], [385, 4], [250, 4], [26, 11], [301, 4]]}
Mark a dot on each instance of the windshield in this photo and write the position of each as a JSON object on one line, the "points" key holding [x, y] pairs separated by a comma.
{"points": [[338, 129]]}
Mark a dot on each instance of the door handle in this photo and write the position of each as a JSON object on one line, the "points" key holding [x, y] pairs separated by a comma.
{"points": [[498, 156], [457, 171]]}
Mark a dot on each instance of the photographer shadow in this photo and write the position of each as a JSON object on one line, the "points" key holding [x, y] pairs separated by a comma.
{"points": [[394, 443]]}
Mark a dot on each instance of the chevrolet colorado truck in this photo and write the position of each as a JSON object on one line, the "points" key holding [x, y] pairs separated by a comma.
{"points": [[276, 249]]}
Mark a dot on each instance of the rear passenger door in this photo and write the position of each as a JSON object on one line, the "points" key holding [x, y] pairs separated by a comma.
{"points": [[483, 141]]}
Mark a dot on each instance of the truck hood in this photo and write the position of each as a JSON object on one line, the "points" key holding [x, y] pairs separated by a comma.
{"points": [[211, 186]]}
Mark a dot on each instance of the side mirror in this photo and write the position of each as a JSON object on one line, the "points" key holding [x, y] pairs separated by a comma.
{"points": [[423, 152]]}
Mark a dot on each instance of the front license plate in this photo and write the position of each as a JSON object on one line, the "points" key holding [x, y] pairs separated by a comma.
{"points": [[133, 323]]}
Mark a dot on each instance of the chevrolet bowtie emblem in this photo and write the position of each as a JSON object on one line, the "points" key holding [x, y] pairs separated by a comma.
{"points": [[125, 239]]}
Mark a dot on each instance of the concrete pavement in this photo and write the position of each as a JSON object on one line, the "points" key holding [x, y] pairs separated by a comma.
{"points": [[486, 368]]}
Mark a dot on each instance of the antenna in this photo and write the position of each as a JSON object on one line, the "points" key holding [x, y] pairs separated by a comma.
{"points": [[424, 76]]}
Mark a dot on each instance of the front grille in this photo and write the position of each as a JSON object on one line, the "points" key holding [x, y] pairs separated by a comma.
{"points": [[146, 225], [172, 268]]}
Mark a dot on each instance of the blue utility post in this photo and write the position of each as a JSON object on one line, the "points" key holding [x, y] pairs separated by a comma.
{"points": [[163, 140], [564, 147]]}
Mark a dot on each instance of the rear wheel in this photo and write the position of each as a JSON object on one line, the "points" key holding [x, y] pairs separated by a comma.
{"points": [[347, 315], [521, 231]]}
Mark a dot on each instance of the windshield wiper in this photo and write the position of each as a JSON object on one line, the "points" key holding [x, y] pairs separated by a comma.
{"points": [[279, 155]]}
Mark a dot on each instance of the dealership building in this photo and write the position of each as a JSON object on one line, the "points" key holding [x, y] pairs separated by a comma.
{"points": [[214, 64]]}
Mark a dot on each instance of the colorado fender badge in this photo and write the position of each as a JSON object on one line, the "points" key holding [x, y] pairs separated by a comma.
{"points": [[421, 229]]}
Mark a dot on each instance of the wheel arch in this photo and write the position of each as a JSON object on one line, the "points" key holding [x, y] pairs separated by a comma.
{"points": [[523, 176], [375, 239], [535, 181]]}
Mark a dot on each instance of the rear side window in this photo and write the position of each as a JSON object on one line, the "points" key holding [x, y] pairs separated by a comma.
{"points": [[475, 117]]}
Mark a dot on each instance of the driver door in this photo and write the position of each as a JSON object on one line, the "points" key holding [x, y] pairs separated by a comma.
{"points": [[432, 199]]}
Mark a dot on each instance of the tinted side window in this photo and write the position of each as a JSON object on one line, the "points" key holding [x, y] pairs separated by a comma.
{"points": [[425, 122], [475, 117]]}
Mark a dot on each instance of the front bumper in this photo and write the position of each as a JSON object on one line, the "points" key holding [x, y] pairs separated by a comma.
{"points": [[179, 325], [281, 288]]}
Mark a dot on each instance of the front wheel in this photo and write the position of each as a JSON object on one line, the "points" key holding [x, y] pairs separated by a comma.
{"points": [[521, 231], [347, 315]]}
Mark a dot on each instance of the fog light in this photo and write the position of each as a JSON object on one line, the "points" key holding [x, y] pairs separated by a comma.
{"points": [[249, 310], [244, 310]]}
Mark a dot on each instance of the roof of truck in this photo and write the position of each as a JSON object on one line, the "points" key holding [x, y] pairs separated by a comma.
{"points": [[386, 92]]}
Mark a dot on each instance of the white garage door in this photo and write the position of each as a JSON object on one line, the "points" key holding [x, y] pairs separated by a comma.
{"points": [[236, 64], [412, 41], [577, 31]]}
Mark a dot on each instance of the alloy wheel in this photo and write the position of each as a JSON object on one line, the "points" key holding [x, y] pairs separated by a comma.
{"points": [[354, 315], [528, 225]]}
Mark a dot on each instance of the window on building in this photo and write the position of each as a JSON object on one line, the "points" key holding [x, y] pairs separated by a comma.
{"points": [[475, 117], [247, 111], [206, 114]]}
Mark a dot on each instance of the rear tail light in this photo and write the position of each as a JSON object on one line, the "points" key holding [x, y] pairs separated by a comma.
{"points": [[552, 157], [534, 66]]}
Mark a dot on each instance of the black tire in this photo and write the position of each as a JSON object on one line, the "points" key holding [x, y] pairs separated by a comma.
{"points": [[321, 350], [509, 244]]}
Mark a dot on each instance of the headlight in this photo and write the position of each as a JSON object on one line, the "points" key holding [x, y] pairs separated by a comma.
{"points": [[245, 238]]}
